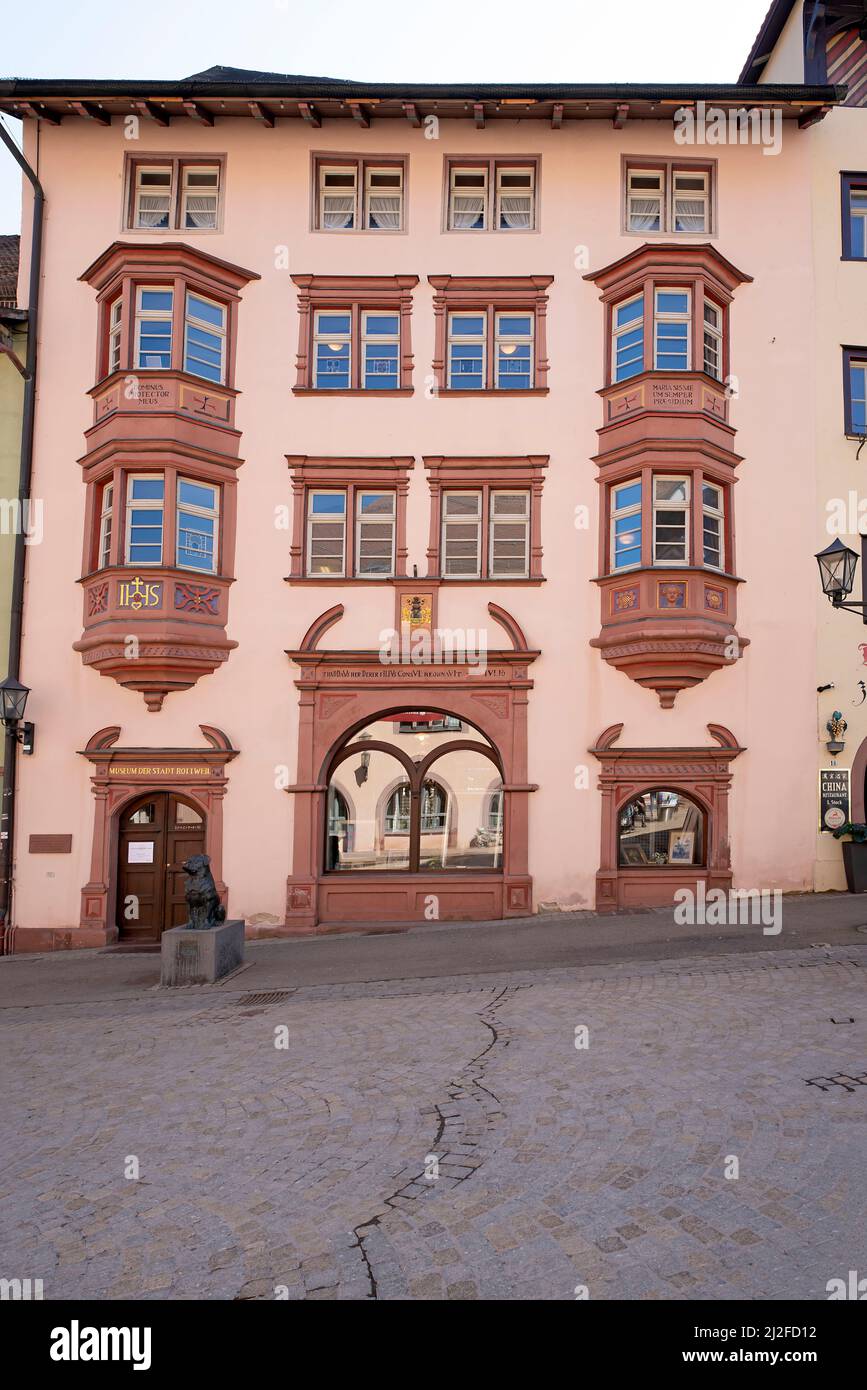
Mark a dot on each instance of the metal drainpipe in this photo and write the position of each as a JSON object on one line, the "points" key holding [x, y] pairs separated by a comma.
{"points": [[7, 817]]}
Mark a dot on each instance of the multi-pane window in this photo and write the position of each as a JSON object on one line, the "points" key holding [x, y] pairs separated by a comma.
{"points": [[152, 197], [644, 199], [856, 394], [462, 535], [671, 330], [380, 344], [197, 525], [373, 542], [854, 217], [355, 194], [106, 523], [514, 351], [498, 195], [670, 521], [115, 322], [628, 335], [626, 525], [466, 352], [326, 532], [374, 533], [172, 194], [515, 199], [713, 525], [508, 527], [509, 544], [669, 197], [332, 350], [153, 327], [200, 191], [144, 520], [713, 318], [205, 338]]}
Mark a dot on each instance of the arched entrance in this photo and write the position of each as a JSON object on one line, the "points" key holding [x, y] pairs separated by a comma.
{"points": [[156, 833]]}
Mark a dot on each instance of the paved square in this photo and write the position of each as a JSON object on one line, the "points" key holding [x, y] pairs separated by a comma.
{"points": [[306, 1170]]}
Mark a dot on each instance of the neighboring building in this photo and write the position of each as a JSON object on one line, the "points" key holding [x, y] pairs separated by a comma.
{"points": [[818, 43], [13, 338], [512, 369]]}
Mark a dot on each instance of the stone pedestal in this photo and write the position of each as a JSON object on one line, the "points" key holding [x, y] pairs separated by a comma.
{"points": [[201, 957]]}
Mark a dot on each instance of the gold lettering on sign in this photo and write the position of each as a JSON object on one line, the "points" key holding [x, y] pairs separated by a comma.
{"points": [[159, 770], [139, 593]]}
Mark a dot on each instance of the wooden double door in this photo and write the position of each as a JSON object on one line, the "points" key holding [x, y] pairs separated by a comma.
{"points": [[157, 833]]}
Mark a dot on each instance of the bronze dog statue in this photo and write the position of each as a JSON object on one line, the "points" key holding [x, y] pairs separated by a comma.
{"points": [[200, 891]]}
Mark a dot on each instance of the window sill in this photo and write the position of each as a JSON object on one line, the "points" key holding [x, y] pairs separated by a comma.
{"points": [[349, 391], [666, 568], [173, 231], [531, 581], [324, 579], [495, 391]]}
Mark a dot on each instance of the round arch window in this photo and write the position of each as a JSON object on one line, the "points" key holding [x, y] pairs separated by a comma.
{"points": [[661, 829], [418, 791]]}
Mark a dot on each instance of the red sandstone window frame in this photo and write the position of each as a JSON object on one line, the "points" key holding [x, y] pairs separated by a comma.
{"points": [[696, 475], [118, 479], [668, 166], [490, 295], [181, 286], [488, 475], [648, 287], [178, 163], [362, 164], [351, 476], [355, 295]]}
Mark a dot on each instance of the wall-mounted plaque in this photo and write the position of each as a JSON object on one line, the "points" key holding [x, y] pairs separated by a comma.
{"points": [[140, 852], [833, 798]]}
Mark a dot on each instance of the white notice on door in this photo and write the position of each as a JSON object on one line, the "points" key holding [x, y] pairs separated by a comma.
{"points": [[140, 852]]}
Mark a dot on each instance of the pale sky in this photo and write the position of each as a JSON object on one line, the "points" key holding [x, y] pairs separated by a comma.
{"points": [[379, 40]]}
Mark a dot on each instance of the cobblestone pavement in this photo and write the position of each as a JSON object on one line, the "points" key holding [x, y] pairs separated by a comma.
{"points": [[302, 1170]]}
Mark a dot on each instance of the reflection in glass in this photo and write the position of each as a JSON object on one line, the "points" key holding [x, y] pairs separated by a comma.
{"points": [[660, 828]]}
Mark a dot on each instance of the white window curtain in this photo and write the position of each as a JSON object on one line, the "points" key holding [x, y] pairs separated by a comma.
{"points": [[515, 210], [338, 210], [467, 208], [644, 214], [690, 214], [201, 210], [385, 209], [152, 209]]}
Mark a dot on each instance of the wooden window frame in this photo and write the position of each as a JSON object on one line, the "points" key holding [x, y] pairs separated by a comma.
{"points": [[493, 168], [720, 512], [128, 327], [685, 508], [849, 181], [362, 165], [215, 512], [146, 504], [490, 295], [352, 476], [177, 163], [106, 524], [615, 514], [668, 165], [353, 294], [222, 333], [649, 286], [670, 316], [696, 479], [486, 475]]}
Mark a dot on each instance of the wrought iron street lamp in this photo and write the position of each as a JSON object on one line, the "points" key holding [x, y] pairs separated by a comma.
{"points": [[837, 564], [13, 701]]}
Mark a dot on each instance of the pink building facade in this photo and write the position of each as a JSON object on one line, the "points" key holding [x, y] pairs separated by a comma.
{"points": [[428, 486]]}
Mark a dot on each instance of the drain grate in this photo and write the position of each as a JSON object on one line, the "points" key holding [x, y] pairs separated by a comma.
{"points": [[840, 1078], [274, 996]]}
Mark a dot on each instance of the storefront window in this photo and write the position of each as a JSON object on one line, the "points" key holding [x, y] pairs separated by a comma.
{"points": [[419, 792], [660, 829]]}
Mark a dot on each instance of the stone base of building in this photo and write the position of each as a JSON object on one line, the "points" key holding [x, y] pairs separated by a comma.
{"points": [[334, 903], [22, 940]]}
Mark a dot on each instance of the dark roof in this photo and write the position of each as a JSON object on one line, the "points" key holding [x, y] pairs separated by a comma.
{"points": [[9, 271], [772, 27], [227, 91]]}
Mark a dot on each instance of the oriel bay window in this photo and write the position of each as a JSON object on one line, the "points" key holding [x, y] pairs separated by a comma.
{"points": [[667, 327], [490, 334], [687, 524], [164, 521], [354, 334]]}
